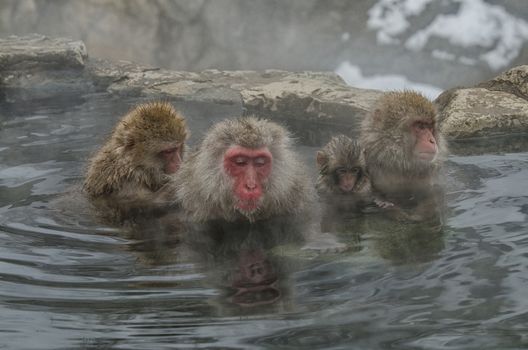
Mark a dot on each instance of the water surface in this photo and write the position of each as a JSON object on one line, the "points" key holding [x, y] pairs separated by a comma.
{"points": [[73, 283]]}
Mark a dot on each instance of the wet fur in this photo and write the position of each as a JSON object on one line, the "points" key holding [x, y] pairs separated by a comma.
{"points": [[395, 173], [206, 192], [127, 172]]}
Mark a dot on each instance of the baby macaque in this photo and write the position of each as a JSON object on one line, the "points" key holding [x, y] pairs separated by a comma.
{"points": [[343, 183]]}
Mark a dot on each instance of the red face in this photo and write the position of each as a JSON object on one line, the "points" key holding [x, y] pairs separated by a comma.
{"points": [[172, 158], [425, 147], [347, 178], [250, 169]]}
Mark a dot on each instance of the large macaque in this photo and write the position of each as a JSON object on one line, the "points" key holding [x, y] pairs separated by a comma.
{"points": [[343, 183], [244, 169], [130, 175], [404, 152]]}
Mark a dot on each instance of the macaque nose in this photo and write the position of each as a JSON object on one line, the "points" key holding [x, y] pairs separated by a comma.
{"points": [[251, 179]]}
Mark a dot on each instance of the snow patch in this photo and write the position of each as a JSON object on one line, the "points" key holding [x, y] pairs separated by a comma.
{"points": [[477, 24], [353, 76]]}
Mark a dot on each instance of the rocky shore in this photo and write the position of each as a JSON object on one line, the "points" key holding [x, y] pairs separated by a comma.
{"points": [[490, 116]]}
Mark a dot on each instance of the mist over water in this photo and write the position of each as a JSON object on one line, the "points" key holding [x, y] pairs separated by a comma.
{"points": [[70, 282], [375, 43]]}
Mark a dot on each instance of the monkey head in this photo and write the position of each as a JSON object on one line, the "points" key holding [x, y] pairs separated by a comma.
{"points": [[244, 168], [402, 133], [341, 164], [152, 135]]}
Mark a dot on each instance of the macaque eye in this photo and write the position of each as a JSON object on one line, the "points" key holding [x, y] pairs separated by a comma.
{"points": [[422, 125], [341, 171], [261, 161], [240, 161], [169, 151], [355, 170]]}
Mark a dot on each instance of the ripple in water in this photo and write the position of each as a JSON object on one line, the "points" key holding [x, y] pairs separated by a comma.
{"points": [[69, 282]]}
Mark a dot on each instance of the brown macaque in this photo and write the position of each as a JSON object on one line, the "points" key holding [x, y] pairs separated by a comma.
{"points": [[130, 175], [343, 183], [244, 169], [404, 151]]}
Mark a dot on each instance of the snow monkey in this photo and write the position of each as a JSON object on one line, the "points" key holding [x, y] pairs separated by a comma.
{"points": [[244, 169], [342, 182], [130, 175], [404, 151]]}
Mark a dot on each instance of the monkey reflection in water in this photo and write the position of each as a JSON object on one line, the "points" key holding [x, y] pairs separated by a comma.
{"points": [[128, 180], [246, 192], [404, 155], [244, 261], [343, 187]]}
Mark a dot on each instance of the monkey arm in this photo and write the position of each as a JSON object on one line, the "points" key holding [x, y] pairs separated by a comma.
{"points": [[134, 201]]}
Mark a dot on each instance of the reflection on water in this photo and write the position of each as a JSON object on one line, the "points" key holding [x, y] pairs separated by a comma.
{"points": [[68, 282]]}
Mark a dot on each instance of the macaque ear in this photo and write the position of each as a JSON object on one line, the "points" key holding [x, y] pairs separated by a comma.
{"points": [[321, 159]]}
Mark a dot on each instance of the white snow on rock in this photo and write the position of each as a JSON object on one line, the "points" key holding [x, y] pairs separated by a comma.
{"points": [[476, 24], [353, 76]]}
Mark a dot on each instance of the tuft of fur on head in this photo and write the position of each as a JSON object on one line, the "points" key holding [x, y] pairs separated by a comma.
{"points": [[385, 133], [130, 154], [340, 151], [206, 192]]}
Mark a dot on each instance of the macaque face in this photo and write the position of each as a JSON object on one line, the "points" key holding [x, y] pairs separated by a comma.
{"points": [[250, 169], [425, 147], [171, 158], [346, 178]]}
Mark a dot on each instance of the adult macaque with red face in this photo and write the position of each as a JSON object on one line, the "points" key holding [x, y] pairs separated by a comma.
{"points": [[244, 169], [130, 175], [404, 149]]}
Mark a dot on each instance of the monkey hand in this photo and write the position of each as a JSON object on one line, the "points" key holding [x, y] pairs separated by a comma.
{"points": [[383, 204]]}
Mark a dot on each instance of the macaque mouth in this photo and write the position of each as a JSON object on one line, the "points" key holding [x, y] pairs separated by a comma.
{"points": [[347, 187], [248, 205], [427, 156]]}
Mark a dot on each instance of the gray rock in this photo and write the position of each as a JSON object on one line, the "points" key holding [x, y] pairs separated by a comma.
{"points": [[39, 52], [491, 117], [513, 81], [479, 112], [316, 105], [37, 67]]}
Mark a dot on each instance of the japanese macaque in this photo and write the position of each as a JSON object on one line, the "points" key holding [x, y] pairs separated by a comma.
{"points": [[342, 182], [403, 151], [244, 169], [130, 175]]}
